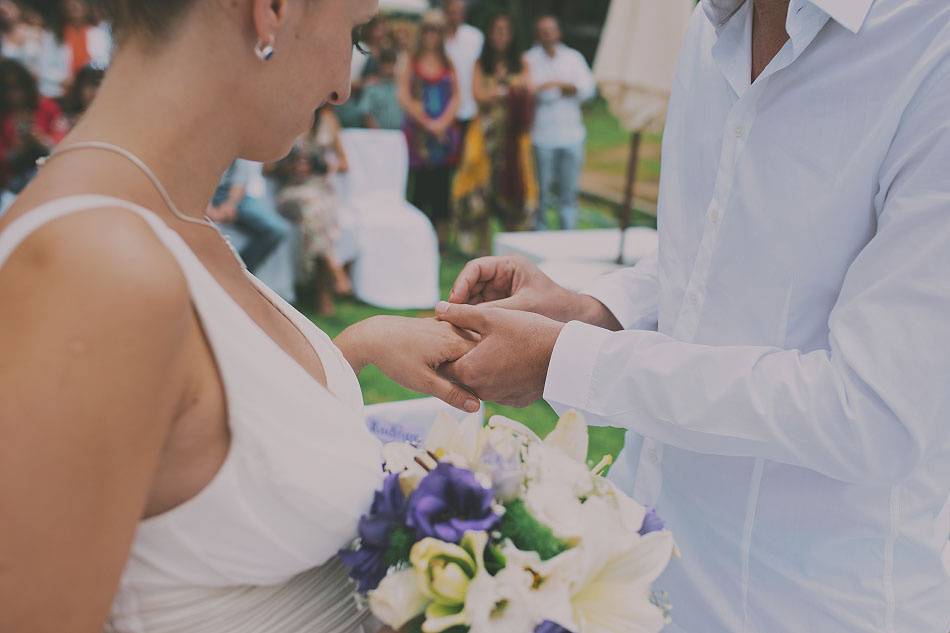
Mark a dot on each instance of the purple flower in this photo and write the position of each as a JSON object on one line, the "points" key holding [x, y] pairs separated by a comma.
{"points": [[550, 627], [652, 523], [450, 502], [368, 564]]}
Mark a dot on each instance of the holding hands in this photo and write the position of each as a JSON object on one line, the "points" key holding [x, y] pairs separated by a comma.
{"points": [[517, 313], [494, 341]]}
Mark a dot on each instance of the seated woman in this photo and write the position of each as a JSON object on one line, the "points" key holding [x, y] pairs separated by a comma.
{"points": [[308, 198], [233, 203]]}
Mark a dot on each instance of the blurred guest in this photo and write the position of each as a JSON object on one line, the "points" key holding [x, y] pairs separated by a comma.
{"points": [[76, 25], [53, 66], [82, 92], [308, 198], [497, 177], [464, 44], [429, 94], [30, 125], [377, 39], [19, 39], [403, 38], [380, 100], [232, 204], [562, 81], [88, 39], [368, 43]]}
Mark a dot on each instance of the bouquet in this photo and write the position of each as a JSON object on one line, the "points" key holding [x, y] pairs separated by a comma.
{"points": [[493, 530]]}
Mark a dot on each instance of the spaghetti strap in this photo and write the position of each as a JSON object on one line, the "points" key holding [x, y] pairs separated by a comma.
{"points": [[31, 221]]}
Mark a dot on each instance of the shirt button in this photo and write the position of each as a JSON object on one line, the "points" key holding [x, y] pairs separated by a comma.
{"points": [[694, 298], [653, 457], [714, 216], [739, 131]]}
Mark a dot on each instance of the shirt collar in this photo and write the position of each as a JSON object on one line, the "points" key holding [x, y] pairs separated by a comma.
{"points": [[848, 13]]}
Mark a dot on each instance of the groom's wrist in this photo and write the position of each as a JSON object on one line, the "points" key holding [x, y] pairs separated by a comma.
{"points": [[589, 310]]}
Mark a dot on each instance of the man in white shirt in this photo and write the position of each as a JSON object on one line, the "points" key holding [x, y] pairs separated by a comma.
{"points": [[785, 360], [463, 44], [562, 81]]}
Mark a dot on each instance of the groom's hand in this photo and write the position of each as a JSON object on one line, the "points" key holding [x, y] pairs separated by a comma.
{"points": [[509, 365], [515, 283]]}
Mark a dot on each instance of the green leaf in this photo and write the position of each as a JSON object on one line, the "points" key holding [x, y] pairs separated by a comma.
{"points": [[527, 533], [400, 544]]}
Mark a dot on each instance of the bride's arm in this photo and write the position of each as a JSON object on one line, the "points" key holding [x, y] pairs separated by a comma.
{"points": [[410, 351], [88, 389]]}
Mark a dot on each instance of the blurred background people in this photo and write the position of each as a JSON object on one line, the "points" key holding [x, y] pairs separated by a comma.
{"points": [[19, 38], [364, 71], [463, 44], [89, 41], [53, 65], [562, 81], [308, 198], [429, 94], [30, 125], [249, 210], [83, 90], [380, 100], [496, 178]]}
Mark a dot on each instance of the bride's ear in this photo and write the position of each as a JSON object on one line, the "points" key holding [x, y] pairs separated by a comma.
{"points": [[268, 16]]}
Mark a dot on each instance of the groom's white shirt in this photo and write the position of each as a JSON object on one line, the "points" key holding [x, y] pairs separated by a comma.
{"points": [[787, 354]]}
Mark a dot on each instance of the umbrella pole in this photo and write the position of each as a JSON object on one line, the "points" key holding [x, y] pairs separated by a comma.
{"points": [[626, 209]]}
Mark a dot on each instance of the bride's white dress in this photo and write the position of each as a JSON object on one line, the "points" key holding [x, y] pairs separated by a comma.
{"points": [[254, 552]]}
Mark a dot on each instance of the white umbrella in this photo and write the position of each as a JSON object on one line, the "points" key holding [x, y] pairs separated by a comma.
{"points": [[415, 7], [635, 64]]}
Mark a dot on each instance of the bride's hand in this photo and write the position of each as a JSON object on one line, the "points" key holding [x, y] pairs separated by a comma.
{"points": [[411, 351]]}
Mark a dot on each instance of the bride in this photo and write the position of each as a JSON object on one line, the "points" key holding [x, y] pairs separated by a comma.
{"points": [[181, 450]]}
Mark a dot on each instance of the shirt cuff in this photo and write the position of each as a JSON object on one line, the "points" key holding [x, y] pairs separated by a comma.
{"points": [[572, 365]]}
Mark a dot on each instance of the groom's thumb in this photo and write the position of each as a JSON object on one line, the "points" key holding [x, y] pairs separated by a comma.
{"points": [[462, 316]]}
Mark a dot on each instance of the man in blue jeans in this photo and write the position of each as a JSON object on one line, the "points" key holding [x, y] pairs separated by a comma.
{"points": [[234, 203], [562, 81]]}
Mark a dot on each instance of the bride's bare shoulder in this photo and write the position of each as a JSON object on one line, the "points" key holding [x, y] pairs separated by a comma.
{"points": [[103, 259]]}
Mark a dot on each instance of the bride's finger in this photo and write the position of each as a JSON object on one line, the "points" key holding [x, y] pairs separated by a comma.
{"points": [[453, 394], [463, 316]]}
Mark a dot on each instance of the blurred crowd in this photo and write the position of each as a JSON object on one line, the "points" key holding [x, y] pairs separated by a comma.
{"points": [[495, 133]]}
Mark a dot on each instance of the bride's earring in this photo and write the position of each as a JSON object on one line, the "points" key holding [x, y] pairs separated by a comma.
{"points": [[264, 50]]}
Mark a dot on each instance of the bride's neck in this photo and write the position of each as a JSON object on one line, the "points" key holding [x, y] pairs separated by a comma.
{"points": [[168, 113]]}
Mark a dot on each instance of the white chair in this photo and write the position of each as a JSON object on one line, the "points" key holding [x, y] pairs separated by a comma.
{"points": [[397, 266], [410, 420]]}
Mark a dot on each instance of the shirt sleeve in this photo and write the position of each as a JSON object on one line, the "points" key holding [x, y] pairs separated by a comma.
{"points": [[584, 79], [871, 407], [631, 294]]}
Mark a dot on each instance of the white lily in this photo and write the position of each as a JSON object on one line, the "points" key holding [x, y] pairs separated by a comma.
{"points": [[398, 599], [458, 443], [611, 592], [549, 594], [500, 603], [556, 505], [570, 436]]}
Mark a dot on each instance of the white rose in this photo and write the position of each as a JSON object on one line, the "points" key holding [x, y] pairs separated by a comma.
{"points": [[397, 600]]}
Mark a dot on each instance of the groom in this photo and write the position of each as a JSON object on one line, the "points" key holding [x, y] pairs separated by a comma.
{"points": [[783, 364]]}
